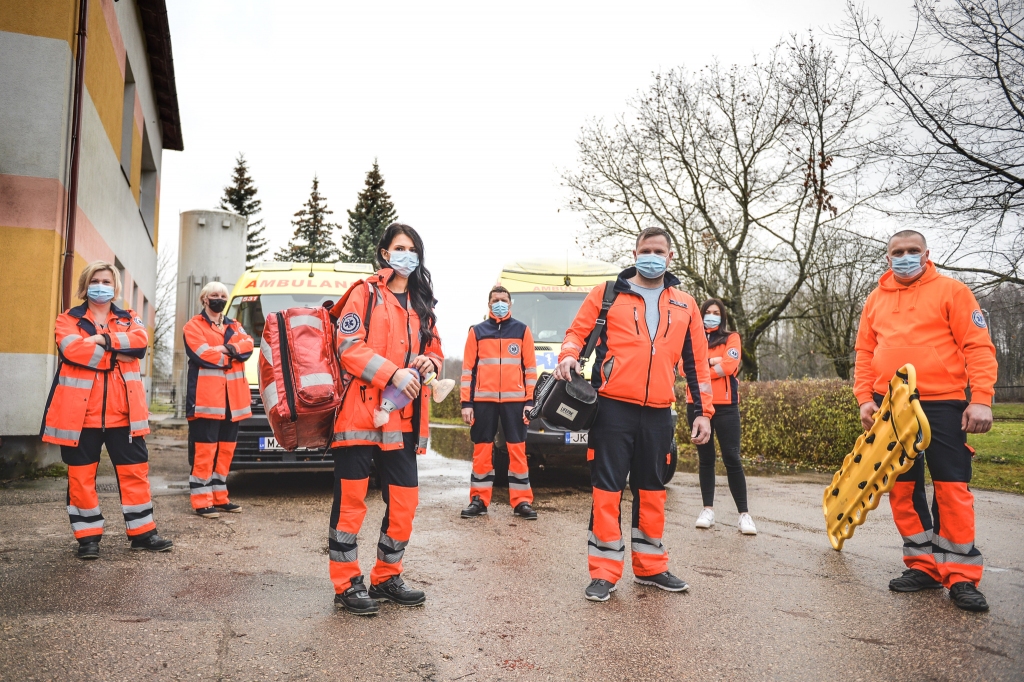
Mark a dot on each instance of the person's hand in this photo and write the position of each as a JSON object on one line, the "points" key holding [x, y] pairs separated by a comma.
{"points": [[867, 414], [714, 361], [564, 367], [467, 415], [124, 358], [701, 432], [423, 365], [96, 338], [220, 349], [412, 389], [526, 414], [977, 419]]}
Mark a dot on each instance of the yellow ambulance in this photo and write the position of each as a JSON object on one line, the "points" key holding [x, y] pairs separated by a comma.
{"points": [[263, 290]]}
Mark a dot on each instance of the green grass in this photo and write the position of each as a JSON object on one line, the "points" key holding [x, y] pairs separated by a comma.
{"points": [[160, 407], [52, 471], [455, 421], [1008, 410], [999, 462]]}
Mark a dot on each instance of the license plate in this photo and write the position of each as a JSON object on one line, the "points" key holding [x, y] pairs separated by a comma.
{"points": [[576, 437], [270, 443]]}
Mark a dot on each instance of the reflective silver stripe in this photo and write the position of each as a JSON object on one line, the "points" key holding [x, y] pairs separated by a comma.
{"points": [[617, 545], [503, 395], [488, 361], [123, 341], [63, 434], [518, 486], [348, 343], [950, 558], [196, 479], [704, 388], [343, 537], [719, 371], [481, 484], [83, 525], [218, 411], [268, 355], [305, 320], [235, 375], [641, 543], [511, 361], [961, 548], [475, 477], [139, 523], [375, 363], [345, 557], [139, 425], [467, 372], [919, 538], [486, 394], [68, 340], [385, 438], [518, 481], [317, 379], [422, 442], [219, 486], [644, 548], [397, 547], [95, 511], [241, 412], [204, 490], [131, 376], [206, 372], [270, 396], [135, 508], [467, 384], [916, 551], [391, 543], [608, 550], [531, 382], [97, 355], [72, 382], [202, 349]]}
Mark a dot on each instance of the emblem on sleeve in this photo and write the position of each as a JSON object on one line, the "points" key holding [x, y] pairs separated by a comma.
{"points": [[979, 319], [350, 324], [513, 349], [734, 354], [138, 321]]}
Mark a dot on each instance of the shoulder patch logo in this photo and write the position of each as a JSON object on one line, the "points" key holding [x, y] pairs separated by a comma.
{"points": [[734, 354], [513, 349], [138, 321], [678, 303], [350, 324], [979, 319]]}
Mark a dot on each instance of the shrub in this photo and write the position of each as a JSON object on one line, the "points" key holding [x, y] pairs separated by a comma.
{"points": [[451, 408], [810, 422]]}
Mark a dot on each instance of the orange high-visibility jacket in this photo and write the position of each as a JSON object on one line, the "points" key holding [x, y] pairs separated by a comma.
{"points": [[215, 377], [392, 343], [628, 366], [96, 386], [724, 384], [499, 364], [935, 324]]}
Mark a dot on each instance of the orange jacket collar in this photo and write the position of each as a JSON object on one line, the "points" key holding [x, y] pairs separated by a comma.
{"points": [[888, 280]]}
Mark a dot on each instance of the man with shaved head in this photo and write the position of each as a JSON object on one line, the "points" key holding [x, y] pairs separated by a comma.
{"points": [[933, 322]]}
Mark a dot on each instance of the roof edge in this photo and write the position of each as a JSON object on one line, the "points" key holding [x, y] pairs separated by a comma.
{"points": [[157, 30]]}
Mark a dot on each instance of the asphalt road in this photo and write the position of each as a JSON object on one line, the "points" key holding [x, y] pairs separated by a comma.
{"points": [[247, 597]]}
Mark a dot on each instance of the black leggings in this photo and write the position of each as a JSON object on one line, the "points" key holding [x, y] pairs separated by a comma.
{"points": [[726, 425]]}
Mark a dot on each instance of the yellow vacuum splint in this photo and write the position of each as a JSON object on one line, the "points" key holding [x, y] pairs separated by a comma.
{"points": [[900, 433]]}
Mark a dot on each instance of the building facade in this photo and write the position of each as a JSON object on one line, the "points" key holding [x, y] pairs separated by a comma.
{"points": [[129, 115]]}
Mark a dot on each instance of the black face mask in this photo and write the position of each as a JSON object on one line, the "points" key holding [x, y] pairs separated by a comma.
{"points": [[216, 304]]}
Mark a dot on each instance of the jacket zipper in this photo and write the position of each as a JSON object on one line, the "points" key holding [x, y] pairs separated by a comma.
{"points": [[650, 360], [636, 320], [667, 324]]}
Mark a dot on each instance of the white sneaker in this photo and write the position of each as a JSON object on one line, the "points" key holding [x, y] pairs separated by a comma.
{"points": [[706, 519], [747, 524]]}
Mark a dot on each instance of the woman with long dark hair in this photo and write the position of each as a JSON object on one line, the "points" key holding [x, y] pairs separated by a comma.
{"points": [[386, 330], [724, 355]]}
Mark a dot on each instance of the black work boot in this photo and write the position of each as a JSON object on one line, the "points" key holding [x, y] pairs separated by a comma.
{"points": [[665, 581], [229, 507], [355, 600], [208, 512], [89, 550], [476, 508], [394, 589], [599, 590], [152, 543], [524, 510], [914, 580], [967, 597]]}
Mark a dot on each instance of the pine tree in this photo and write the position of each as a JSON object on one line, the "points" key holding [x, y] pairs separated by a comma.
{"points": [[313, 241], [240, 197], [374, 211]]}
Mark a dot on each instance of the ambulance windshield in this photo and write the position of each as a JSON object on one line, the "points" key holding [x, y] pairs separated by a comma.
{"points": [[547, 313], [252, 311]]}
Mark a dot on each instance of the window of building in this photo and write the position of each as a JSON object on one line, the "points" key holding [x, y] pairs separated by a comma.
{"points": [[124, 282], [127, 121], [147, 189], [135, 297]]}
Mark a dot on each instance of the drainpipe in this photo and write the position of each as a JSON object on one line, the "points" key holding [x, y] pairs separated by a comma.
{"points": [[76, 133]]}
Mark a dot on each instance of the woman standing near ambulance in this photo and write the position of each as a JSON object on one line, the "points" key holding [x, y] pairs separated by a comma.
{"points": [[386, 328], [217, 398], [98, 399], [724, 357]]}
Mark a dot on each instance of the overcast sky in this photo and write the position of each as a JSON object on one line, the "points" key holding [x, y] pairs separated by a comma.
{"points": [[471, 109]]}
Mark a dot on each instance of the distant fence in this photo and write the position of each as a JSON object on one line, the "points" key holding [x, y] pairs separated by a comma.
{"points": [[1010, 394]]}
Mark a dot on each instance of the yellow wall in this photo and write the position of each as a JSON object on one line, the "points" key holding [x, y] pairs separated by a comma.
{"points": [[45, 18], [31, 255], [103, 76]]}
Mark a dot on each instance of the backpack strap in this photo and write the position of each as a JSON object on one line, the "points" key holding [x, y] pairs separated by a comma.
{"points": [[602, 320]]}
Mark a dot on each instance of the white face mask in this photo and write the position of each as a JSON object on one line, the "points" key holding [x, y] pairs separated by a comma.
{"points": [[404, 262]]}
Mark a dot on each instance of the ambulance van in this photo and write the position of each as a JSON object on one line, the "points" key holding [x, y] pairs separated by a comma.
{"points": [[263, 290], [546, 295]]}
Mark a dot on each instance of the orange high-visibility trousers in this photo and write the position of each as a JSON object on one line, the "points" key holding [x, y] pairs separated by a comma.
{"points": [[939, 541], [486, 416], [400, 490], [131, 465], [211, 447]]}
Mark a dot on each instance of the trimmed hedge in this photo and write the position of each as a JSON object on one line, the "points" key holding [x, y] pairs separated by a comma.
{"points": [[451, 408], [810, 422]]}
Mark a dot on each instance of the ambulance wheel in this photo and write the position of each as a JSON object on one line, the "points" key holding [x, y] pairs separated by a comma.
{"points": [[673, 459]]}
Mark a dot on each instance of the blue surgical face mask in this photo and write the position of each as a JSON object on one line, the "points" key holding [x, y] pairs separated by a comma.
{"points": [[100, 293], [500, 309], [712, 321], [404, 262], [650, 265], [907, 266]]}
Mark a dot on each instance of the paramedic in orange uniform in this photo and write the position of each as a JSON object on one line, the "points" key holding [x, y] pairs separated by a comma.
{"points": [[216, 400], [920, 317], [386, 325], [98, 399], [650, 326], [499, 373]]}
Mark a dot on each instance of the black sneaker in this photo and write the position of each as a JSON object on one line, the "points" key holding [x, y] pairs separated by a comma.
{"points": [[665, 581], [599, 590], [208, 512], [524, 510], [394, 589], [229, 507], [967, 597], [476, 508], [914, 580], [355, 600], [89, 550], [152, 543]]}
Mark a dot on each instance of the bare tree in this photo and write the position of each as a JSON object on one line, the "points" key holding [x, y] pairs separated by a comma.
{"points": [[1004, 307], [744, 166], [955, 87], [163, 315]]}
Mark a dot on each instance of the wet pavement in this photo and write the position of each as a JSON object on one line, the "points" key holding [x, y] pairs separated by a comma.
{"points": [[247, 596]]}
